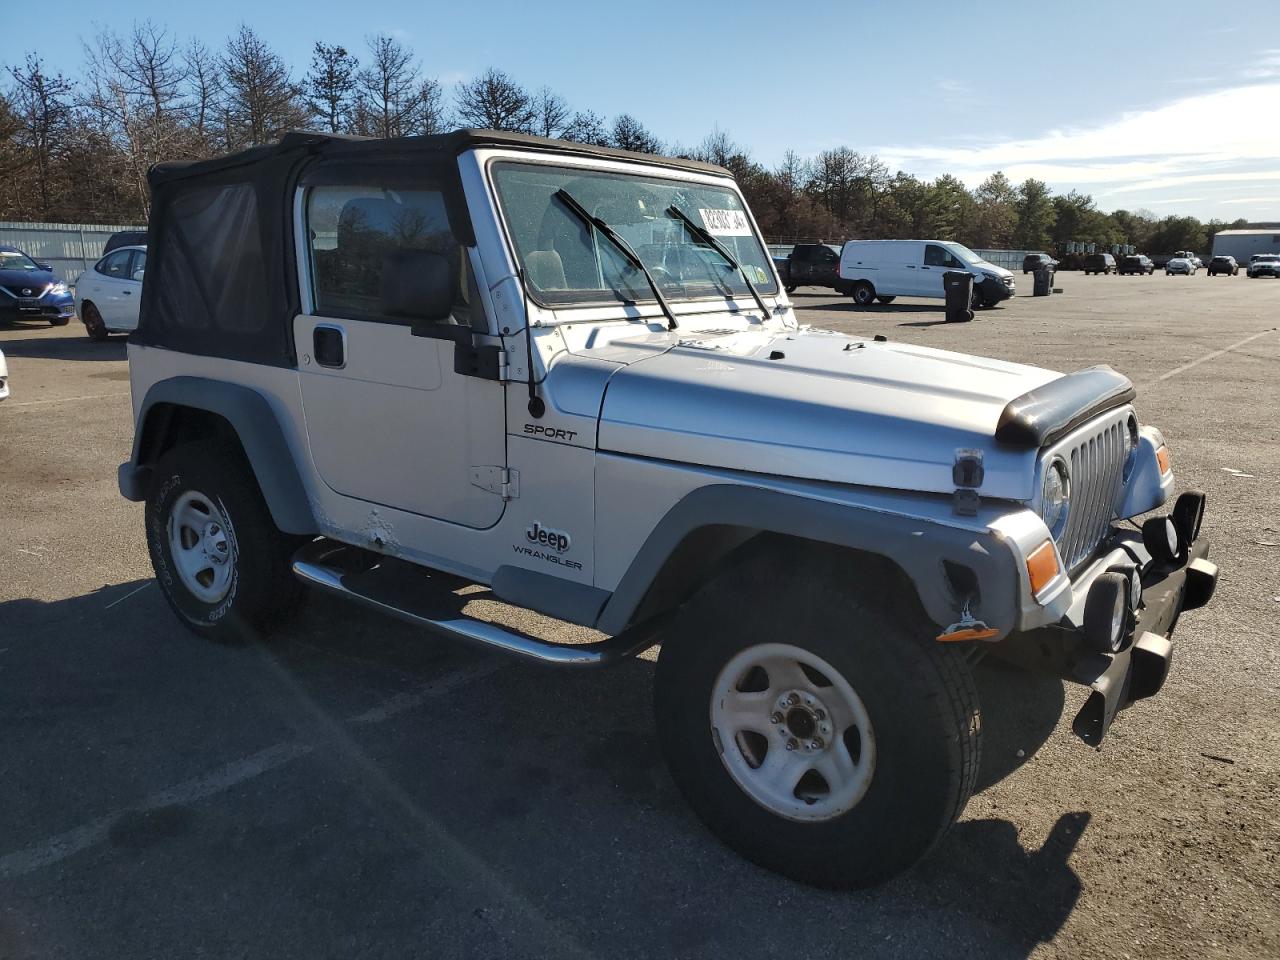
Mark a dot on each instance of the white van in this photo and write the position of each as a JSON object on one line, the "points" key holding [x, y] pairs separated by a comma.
{"points": [[885, 269]]}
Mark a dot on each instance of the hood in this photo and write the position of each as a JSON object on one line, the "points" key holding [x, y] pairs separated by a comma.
{"points": [[37, 280], [821, 406], [992, 269]]}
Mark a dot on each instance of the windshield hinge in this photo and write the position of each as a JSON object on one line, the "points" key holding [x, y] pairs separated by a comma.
{"points": [[503, 481], [486, 361]]}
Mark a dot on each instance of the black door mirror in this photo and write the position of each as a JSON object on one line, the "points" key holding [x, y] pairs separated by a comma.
{"points": [[418, 285], [44, 266]]}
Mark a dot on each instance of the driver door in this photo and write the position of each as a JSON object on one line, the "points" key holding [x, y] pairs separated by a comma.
{"points": [[389, 421]]}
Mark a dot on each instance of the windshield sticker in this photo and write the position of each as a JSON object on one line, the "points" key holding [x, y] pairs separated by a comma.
{"points": [[725, 223]]}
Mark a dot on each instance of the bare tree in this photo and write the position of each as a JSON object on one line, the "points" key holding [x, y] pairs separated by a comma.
{"points": [[204, 86], [40, 103], [261, 100], [331, 85], [630, 134], [496, 102], [550, 113], [587, 127], [394, 99]]}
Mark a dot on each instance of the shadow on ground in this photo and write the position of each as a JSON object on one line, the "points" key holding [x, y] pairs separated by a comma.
{"points": [[65, 348], [528, 796]]}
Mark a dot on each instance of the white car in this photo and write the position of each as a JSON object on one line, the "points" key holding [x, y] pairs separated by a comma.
{"points": [[4, 378], [107, 294], [1180, 265]]}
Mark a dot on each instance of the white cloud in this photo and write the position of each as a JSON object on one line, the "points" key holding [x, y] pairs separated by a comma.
{"points": [[1266, 66], [1226, 136]]}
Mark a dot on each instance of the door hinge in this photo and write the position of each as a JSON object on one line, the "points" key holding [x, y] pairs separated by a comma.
{"points": [[500, 480], [486, 361]]}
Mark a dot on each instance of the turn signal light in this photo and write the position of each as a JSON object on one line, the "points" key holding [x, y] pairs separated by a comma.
{"points": [[1162, 458], [1042, 566]]}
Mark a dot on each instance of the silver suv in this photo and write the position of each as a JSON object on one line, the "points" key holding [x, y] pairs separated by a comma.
{"points": [[391, 369]]}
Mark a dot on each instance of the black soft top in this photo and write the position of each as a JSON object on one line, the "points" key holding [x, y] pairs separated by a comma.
{"points": [[222, 275], [434, 146]]}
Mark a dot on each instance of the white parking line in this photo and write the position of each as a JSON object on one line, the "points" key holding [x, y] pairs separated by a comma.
{"points": [[33, 403], [1206, 358], [63, 845], [131, 593]]}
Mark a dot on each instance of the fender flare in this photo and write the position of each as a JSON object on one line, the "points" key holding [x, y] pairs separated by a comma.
{"points": [[257, 426], [920, 547]]}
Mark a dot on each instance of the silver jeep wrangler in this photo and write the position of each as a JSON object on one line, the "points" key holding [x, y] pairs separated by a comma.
{"points": [[388, 369]]}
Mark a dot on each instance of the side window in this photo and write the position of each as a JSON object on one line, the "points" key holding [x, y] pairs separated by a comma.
{"points": [[363, 238], [936, 256], [115, 265], [139, 263]]}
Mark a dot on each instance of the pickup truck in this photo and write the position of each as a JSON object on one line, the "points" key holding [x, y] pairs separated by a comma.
{"points": [[810, 265]]}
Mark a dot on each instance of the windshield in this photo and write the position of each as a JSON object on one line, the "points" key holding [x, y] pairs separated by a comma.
{"points": [[963, 253], [13, 260], [567, 263]]}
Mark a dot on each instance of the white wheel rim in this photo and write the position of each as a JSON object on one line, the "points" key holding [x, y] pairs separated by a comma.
{"points": [[203, 546], [792, 732]]}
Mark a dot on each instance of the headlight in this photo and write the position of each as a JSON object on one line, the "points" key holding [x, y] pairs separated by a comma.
{"points": [[56, 290], [1131, 457], [1056, 499]]}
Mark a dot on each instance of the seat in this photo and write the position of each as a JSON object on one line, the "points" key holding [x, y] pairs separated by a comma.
{"points": [[546, 269]]}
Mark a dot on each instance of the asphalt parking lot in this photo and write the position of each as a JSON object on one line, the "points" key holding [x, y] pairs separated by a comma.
{"points": [[360, 790]]}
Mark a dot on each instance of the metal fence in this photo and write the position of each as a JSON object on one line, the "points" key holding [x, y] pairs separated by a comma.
{"points": [[67, 247]]}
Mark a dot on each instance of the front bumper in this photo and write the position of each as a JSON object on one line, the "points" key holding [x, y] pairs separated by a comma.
{"points": [[1139, 669], [40, 308]]}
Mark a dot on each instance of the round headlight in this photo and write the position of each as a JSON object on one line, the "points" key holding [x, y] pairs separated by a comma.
{"points": [[1056, 500]]}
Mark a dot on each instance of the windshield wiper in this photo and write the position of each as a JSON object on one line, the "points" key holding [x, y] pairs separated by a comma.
{"points": [[578, 210], [702, 234]]}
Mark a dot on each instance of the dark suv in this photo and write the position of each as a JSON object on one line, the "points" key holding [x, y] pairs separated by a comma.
{"points": [[1099, 263], [1225, 265], [1136, 263], [1034, 261]]}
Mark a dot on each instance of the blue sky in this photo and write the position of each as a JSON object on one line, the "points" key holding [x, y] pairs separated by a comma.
{"points": [[1169, 113]]}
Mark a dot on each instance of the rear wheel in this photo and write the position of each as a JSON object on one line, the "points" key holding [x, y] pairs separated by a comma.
{"points": [[93, 324], [791, 288], [863, 293], [828, 738], [221, 563]]}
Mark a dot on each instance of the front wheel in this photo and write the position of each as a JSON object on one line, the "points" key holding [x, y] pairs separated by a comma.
{"points": [[219, 559], [93, 323], [829, 738], [790, 288]]}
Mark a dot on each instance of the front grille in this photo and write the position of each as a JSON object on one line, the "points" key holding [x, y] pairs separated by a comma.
{"points": [[1095, 459], [16, 289]]}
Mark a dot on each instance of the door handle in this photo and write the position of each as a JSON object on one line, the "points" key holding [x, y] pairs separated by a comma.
{"points": [[329, 344], [127, 293]]}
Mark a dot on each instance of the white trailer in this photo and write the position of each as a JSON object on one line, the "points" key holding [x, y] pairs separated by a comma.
{"points": [[1243, 244]]}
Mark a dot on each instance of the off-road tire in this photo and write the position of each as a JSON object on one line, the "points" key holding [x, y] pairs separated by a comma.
{"points": [[863, 293], [263, 592], [93, 323], [59, 321], [919, 694]]}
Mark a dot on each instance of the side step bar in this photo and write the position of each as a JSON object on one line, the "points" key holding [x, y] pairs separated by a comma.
{"points": [[401, 594]]}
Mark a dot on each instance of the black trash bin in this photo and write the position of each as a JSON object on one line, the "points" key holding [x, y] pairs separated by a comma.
{"points": [[958, 285], [1044, 281]]}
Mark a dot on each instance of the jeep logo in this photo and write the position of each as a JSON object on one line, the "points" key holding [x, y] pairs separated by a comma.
{"points": [[548, 538]]}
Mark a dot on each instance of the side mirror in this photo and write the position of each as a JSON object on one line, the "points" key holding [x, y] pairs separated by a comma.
{"points": [[44, 266], [417, 285], [137, 275]]}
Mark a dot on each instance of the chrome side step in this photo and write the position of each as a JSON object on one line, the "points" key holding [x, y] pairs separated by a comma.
{"points": [[398, 593]]}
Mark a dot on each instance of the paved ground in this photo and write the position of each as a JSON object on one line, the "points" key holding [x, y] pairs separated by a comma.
{"points": [[359, 790]]}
